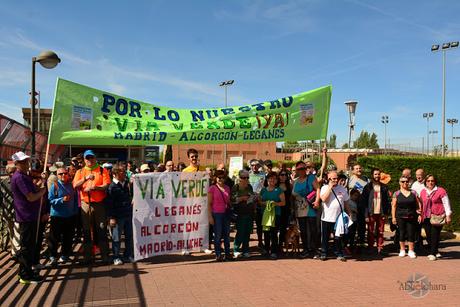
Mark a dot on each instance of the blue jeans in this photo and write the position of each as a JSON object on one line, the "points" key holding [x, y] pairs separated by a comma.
{"points": [[124, 225], [221, 231]]}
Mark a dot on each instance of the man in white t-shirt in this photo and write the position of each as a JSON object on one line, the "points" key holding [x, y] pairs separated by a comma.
{"points": [[419, 185], [335, 200]]}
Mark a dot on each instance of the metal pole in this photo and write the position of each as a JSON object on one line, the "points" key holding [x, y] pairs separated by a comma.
{"points": [[225, 145], [349, 135], [444, 103], [32, 109], [38, 113], [427, 136], [452, 145], [385, 138]]}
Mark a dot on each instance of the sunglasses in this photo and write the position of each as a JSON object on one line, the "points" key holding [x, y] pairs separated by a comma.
{"points": [[60, 174], [244, 177], [429, 180], [193, 157], [404, 181], [283, 175]]}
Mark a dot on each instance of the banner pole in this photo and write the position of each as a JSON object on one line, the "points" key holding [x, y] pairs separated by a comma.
{"points": [[44, 177]]}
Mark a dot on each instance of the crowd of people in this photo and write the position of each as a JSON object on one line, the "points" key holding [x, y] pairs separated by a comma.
{"points": [[92, 202]]}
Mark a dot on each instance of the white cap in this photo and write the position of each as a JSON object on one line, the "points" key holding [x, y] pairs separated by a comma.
{"points": [[107, 165], [144, 167], [19, 156]]}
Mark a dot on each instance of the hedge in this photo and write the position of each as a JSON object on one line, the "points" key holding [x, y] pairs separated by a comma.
{"points": [[445, 170]]}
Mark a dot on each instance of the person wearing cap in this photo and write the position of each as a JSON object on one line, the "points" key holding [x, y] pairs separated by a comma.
{"points": [[26, 198], [64, 207], [92, 180], [268, 165], [145, 168], [256, 180]]}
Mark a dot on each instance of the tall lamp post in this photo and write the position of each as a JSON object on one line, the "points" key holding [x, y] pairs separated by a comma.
{"points": [[428, 116], [385, 121], [452, 122], [351, 107], [226, 84], [432, 132], [444, 47], [456, 138], [48, 59]]}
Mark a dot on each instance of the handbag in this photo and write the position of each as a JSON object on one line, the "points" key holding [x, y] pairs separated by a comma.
{"points": [[438, 220], [345, 220], [230, 209], [301, 204]]}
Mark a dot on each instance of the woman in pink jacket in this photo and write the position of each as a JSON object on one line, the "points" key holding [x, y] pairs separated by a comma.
{"points": [[436, 212]]}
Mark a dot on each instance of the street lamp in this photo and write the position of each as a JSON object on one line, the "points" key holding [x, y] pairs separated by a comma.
{"points": [[432, 132], [226, 84], [385, 121], [428, 116], [452, 122], [48, 59], [351, 107], [444, 48]]}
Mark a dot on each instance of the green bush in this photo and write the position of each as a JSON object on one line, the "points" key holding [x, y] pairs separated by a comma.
{"points": [[444, 169]]}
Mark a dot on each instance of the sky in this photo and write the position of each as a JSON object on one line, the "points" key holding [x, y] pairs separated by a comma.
{"points": [[175, 54]]}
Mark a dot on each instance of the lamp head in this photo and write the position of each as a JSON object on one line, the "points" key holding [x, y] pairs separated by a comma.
{"points": [[48, 59], [435, 48], [351, 106]]}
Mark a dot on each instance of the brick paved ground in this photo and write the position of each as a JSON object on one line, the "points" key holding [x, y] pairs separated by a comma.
{"points": [[199, 281]]}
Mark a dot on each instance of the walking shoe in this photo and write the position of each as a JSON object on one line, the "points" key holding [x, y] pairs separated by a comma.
{"points": [[431, 257], [304, 254], [117, 261], [185, 253], [412, 255], [32, 280], [229, 257], [53, 261], [341, 258], [246, 255], [219, 258], [236, 254], [402, 253], [322, 257], [38, 267], [438, 255], [208, 251], [273, 256], [63, 259]]}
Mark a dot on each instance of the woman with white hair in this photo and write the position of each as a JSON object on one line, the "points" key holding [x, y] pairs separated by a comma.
{"points": [[243, 201]]}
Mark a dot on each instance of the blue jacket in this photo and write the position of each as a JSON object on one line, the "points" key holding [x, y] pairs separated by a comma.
{"points": [[119, 200], [59, 207]]}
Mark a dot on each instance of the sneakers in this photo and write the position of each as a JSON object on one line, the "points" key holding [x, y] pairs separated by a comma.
{"points": [[229, 257], [402, 253], [117, 261], [63, 259], [246, 255], [38, 267], [220, 258], [431, 257], [185, 253], [236, 254], [412, 255], [438, 255], [208, 251], [32, 280], [53, 261], [322, 257], [304, 254], [273, 256], [341, 258]]}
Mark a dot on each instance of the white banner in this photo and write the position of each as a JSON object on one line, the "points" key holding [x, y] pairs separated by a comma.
{"points": [[170, 213]]}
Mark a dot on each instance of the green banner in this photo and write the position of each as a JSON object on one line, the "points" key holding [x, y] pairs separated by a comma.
{"points": [[87, 116]]}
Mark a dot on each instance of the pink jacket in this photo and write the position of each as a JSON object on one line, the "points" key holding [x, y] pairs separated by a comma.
{"points": [[435, 202]]}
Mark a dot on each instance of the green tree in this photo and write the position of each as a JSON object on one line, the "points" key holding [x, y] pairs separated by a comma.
{"points": [[366, 140], [332, 141]]}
